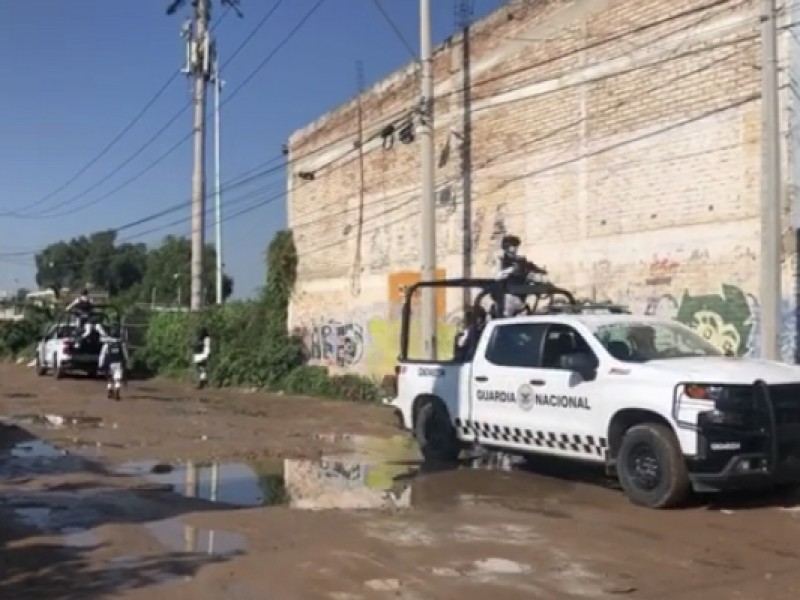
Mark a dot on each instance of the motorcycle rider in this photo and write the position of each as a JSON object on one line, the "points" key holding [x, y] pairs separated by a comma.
{"points": [[202, 352], [515, 269], [113, 360]]}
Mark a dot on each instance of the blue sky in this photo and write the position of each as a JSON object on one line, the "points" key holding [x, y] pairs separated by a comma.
{"points": [[75, 72]]}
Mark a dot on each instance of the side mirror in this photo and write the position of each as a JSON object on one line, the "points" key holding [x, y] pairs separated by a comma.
{"points": [[583, 363]]}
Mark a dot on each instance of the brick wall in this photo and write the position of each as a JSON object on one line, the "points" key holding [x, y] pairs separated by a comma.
{"points": [[618, 138]]}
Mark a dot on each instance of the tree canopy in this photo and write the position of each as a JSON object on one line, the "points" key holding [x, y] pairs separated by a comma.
{"points": [[135, 271]]}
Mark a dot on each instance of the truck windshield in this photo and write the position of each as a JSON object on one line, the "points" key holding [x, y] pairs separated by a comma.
{"points": [[632, 341]]}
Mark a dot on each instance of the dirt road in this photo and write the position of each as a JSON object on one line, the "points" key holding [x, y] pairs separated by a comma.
{"points": [[232, 495]]}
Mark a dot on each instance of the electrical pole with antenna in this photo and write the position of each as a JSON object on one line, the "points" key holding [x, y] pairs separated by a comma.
{"points": [[199, 67]]}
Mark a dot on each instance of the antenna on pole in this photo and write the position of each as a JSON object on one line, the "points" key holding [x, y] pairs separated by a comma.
{"points": [[464, 10]]}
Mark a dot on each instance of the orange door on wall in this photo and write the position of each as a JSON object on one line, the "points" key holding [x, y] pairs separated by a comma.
{"points": [[400, 280]]}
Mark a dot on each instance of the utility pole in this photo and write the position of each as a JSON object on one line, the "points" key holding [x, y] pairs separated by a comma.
{"points": [[218, 83], [198, 67], [771, 204], [428, 209]]}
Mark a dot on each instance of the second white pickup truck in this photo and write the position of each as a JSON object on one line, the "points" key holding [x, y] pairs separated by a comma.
{"points": [[665, 411]]}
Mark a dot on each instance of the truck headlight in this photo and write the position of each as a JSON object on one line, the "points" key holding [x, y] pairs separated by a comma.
{"points": [[729, 407], [713, 393]]}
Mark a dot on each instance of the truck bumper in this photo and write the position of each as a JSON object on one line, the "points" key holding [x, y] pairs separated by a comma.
{"points": [[762, 456], [747, 472]]}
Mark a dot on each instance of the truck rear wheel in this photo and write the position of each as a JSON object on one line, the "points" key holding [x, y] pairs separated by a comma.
{"points": [[651, 467], [58, 370], [435, 434], [41, 368]]}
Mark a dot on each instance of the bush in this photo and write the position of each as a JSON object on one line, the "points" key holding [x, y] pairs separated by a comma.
{"points": [[252, 346], [17, 337]]}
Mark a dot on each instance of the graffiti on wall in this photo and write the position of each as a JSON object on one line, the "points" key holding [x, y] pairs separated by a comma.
{"points": [[729, 319], [335, 343], [660, 271]]}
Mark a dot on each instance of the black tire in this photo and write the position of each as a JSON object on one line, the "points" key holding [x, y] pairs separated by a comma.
{"points": [[435, 434], [651, 467], [58, 371], [41, 368]]}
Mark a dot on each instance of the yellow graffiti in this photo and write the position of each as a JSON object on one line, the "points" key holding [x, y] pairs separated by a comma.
{"points": [[713, 328], [384, 344]]}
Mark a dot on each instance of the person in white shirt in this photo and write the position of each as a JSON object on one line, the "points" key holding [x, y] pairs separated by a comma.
{"points": [[202, 352]]}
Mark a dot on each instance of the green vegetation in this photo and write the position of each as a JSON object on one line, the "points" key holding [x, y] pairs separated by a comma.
{"points": [[128, 272], [251, 343]]}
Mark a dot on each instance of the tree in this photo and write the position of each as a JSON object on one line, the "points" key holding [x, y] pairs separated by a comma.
{"points": [[94, 261], [133, 272], [168, 273]]}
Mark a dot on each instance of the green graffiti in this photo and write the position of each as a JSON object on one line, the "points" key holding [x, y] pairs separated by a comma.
{"points": [[723, 319]]}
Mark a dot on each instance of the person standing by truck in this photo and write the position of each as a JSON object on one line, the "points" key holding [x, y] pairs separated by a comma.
{"points": [[113, 360], [201, 354]]}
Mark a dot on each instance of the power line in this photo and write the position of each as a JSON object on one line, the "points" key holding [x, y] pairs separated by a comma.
{"points": [[130, 125], [148, 143], [694, 10], [255, 173], [271, 55], [373, 137], [665, 83], [106, 148], [390, 21]]}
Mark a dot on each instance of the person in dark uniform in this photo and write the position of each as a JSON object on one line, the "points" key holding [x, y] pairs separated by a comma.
{"points": [[113, 360], [82, 307], [514, 269]]}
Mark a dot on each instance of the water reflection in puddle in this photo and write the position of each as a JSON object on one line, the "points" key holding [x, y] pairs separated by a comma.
{"points": [[75, 537], [366, 477], [36, 449], [375, 473], [34, 516], [229, 483], [78, 420], [179, 537]]}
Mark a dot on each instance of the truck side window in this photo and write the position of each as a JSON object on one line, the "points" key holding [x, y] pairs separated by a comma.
{"points": [[561, 340], [517, 345]]}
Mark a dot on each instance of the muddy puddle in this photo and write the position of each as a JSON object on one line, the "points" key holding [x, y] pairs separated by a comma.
{"points": [[177, 536], [367, 473], [371, 473], [35, 449], [55, 421]]}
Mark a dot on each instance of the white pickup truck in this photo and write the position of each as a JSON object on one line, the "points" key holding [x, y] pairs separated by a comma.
{"points": [[665, 411]]}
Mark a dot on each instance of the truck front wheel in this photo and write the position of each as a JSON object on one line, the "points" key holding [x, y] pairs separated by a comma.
{"points": [[651, 467], [435, 434]]}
